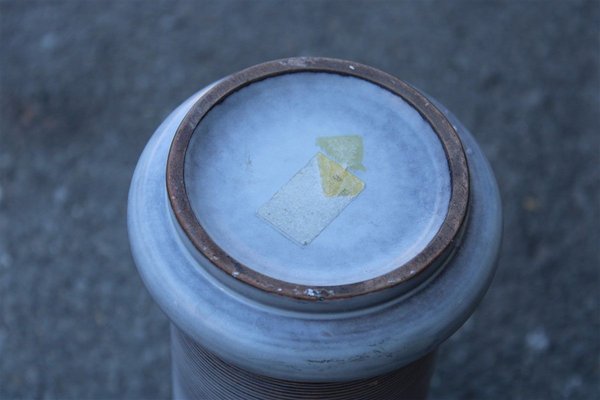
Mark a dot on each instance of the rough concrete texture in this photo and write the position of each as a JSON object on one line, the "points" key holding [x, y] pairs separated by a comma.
{"points": [[84, 84]]}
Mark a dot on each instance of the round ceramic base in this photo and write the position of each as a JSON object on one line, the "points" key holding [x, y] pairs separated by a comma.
{"points": [[319, 179], [260, 175]]}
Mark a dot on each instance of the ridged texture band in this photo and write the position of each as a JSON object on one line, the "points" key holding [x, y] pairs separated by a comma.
{"points": [[199, 374]]}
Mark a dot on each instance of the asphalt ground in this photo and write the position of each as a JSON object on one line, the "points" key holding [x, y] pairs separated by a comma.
{"points": [[83, 84]]}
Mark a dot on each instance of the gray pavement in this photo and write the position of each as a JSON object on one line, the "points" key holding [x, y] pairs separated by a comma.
{"points": [[83, 84]]}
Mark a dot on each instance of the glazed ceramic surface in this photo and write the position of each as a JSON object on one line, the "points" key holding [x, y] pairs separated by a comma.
{"points": [[255, 142], [255, 155]]}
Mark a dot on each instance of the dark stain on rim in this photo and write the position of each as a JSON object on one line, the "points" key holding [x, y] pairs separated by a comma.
{"points": [[422, 265]]}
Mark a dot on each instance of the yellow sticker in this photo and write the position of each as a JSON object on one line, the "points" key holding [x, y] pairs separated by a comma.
{"points": [[347, 150], [337, 181]]}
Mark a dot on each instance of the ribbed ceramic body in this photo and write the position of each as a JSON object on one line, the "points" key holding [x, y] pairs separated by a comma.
{"points": [[199, 374], [235, 340]]}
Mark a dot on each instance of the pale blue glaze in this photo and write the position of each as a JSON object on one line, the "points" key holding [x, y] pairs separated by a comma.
{"points": [[254, 142], [247, 328]]}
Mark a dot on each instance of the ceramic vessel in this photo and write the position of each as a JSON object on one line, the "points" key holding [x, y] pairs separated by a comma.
{"points": [[313, 228]]}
